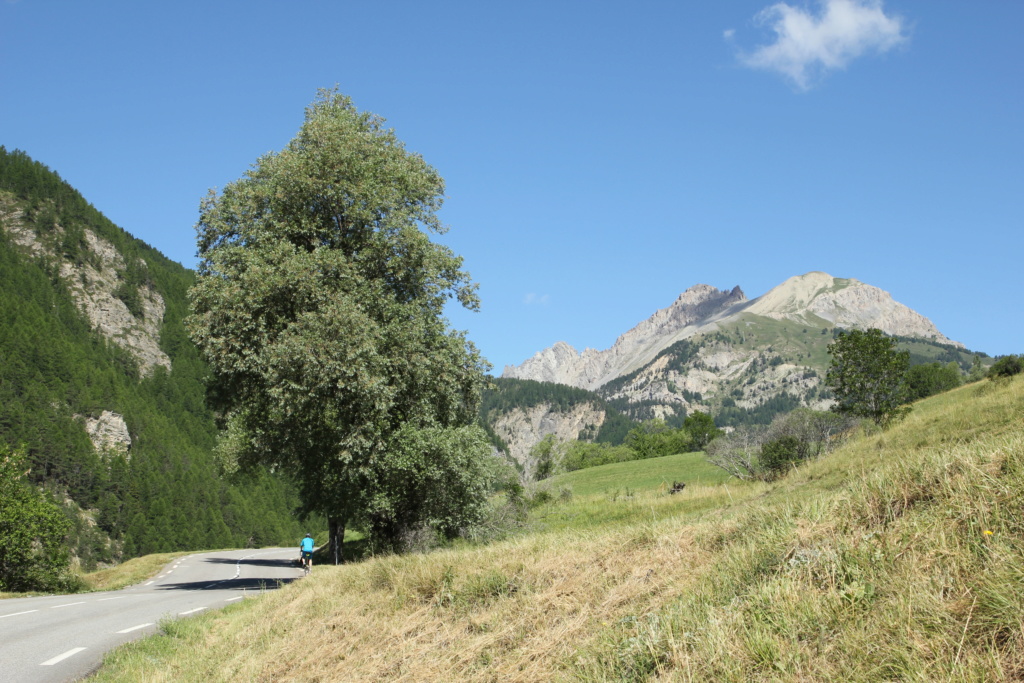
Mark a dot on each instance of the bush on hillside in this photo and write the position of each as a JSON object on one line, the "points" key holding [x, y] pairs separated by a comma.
{"points": [[580, 455], [780, 454], [1007, 366], [32, 527], [932, 378], [765, 453]]}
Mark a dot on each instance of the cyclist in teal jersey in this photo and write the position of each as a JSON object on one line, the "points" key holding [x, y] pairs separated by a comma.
{"points": [[306, 548]]}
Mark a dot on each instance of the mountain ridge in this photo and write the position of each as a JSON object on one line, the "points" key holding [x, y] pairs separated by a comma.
{"points": [[814, 298]]}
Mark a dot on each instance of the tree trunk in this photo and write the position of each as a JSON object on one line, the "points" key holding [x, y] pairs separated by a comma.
{"points": [[336, 531]]}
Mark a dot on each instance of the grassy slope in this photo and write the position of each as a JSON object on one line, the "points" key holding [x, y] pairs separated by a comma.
{"points": [[897, 557], [654, 473]]}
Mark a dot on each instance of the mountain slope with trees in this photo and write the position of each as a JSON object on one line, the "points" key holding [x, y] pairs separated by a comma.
{"points": [[743, 361], [60, 368]]}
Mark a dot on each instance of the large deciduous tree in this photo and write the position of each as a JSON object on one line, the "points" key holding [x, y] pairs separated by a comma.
{"points": [[319, 306], [867, 375]]}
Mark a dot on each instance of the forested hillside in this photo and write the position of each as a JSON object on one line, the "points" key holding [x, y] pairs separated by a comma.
{"points": [[56, 371]]}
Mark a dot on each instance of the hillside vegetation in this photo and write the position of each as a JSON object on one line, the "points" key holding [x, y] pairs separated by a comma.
{"points": [[57, 370], [899, 556]]}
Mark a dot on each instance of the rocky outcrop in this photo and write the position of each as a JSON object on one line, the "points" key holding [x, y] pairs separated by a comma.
{"points": [[92, 284], [109, 433], [521, 429], [695, 310]]}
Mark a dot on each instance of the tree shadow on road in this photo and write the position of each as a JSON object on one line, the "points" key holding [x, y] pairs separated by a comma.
{"points": [[256, 562], [252, 584]]}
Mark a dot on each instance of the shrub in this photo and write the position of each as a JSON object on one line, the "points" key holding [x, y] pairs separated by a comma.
{"points": [[1007, 366], [778, 455], [32, 528]]}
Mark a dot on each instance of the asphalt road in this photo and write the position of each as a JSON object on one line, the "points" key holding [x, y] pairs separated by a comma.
{"points": [[64, 637]]}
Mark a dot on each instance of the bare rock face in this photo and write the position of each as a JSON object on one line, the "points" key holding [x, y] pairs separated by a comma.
{"points": [[109, 433], [695, 309], [521, 429], [92, 287], [847, 303]]}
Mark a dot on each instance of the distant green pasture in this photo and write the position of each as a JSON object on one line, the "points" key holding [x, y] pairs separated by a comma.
{"points": [[636, 491], [641, 475]]}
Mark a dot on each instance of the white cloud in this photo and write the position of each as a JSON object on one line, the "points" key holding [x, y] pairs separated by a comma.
{"points": [[809, 46], [532, 299]]}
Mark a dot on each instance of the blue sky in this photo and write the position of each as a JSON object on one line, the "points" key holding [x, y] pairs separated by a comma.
{"points": [[600, 157]]}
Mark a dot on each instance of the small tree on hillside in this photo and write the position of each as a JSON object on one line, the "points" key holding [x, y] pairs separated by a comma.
{"points": [[702, 430], [867, 375], [33, 555]]}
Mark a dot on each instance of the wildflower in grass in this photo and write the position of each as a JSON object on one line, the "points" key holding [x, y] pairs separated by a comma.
{"points": [[987, 532]]}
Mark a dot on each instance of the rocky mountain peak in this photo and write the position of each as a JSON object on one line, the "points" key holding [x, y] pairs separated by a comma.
{"points": [[809, 299], [561, 363], [844, 302]]}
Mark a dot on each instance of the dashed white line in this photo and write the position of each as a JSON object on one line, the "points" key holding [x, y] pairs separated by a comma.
{"points": [[69, 604], [4, 616], [136, 628], [120, 597], [151, 583], [192, 611], [60, 658], [240, 597]]}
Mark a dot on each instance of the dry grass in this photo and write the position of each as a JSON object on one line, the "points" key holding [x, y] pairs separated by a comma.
{"points": [[129, 573], [872, 564]]}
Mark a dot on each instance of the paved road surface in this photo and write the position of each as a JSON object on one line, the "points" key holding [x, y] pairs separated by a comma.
{"points": [[64, 637]]}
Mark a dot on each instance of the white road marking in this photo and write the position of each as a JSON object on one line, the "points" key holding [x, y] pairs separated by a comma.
{"points": [[60, 658], [4, 616], [151, 583], [136, 628], [69, 604], [192, 611], [120, 597], [240, 597]]}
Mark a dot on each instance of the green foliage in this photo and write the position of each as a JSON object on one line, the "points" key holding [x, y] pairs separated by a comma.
{"points": [[782, 453], [867, 375], [702, 430], [33, 555], [762, 414], [319, 307], [1007, 366], [580, 455], [544, 454], [654, 438], [436, 479], [932, 378]]}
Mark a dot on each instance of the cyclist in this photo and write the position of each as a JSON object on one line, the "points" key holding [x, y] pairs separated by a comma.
{"points": [[306, 548]]}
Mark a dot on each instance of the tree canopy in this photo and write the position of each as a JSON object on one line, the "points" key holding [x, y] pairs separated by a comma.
{"points": [[319, 306], [867, 375]]}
